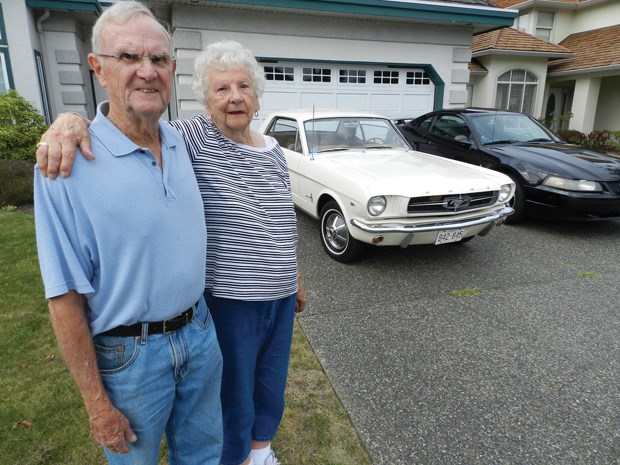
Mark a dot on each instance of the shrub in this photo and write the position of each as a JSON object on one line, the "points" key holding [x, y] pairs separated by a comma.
{"points": [[596, 140], [21, 126], [599, 140], [573, 137], [553, 121], [16, 177]]}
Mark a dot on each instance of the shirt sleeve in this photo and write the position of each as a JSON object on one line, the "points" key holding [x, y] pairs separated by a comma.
{"points": [[63, 261]]}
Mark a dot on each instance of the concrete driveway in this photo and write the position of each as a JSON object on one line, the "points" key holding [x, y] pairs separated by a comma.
{"points": [[526, 371]]}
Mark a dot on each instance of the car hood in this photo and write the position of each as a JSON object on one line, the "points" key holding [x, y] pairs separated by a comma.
{"points": [[566, 160], [407, 172]]}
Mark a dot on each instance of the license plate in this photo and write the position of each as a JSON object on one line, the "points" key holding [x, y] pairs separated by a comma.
{"points": [[447, 236]]}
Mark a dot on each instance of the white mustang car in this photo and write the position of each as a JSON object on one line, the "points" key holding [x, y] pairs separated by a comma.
{"points": [[356, 174]]}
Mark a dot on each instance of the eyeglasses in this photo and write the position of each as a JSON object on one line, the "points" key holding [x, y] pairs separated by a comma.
{"points": [[133, 59]]}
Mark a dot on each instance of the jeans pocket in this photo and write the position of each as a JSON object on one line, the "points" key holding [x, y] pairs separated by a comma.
{"points": [[202, 317], [114, 354]]}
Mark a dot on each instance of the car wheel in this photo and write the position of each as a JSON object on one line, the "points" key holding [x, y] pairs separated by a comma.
{"points": [[517, 203], [337, 241]]}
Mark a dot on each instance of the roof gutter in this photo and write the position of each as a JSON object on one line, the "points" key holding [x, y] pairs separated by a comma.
{"points": [[556, 4], [79, 6], [534, 54], [598, 69], [412, 9]]}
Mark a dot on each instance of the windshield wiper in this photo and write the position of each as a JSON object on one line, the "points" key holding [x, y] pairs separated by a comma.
{"points": [[335, 149], [541, 139], [504, 141]]}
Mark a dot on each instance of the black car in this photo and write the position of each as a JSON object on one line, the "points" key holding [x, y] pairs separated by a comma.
{"points": [[554, 179]]}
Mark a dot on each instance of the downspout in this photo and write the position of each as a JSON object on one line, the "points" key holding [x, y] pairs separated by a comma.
{"points": [[44, 17]]}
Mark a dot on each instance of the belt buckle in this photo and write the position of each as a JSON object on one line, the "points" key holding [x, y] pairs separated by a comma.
{"points": [[174, 322], [171, 322]]}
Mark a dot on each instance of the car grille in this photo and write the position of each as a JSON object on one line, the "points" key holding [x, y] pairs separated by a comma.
{"points": [[451, 202], [614, 187]]}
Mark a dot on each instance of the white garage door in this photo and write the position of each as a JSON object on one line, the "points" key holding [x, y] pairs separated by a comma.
{"points": [[393, 92]]}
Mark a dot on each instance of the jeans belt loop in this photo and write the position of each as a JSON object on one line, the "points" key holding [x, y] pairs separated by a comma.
{"points": [[145, 333]]}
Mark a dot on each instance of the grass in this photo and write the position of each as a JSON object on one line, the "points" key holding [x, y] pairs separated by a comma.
{"points": [[590, 275], [42, 421], [468, 292]]}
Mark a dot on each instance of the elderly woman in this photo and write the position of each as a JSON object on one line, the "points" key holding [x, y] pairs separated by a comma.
{"points": [[252, 286]]}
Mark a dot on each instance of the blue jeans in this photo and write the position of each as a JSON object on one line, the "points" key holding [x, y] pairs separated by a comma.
{"points": [[167, 383], [255, 339]]}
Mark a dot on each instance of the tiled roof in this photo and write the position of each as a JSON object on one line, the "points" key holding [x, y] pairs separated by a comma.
{"points": [[593, 49], [510, 3], [513, 40], [476, 68]]}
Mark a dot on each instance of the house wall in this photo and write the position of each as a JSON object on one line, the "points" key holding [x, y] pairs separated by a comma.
{"points": [[22, 37], [321, 38], [63, 43], [585, 19], [607, 115], [486, 86], [67, 44]]}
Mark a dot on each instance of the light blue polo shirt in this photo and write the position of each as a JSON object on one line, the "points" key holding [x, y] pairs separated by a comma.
{"points": [[128, 236]]}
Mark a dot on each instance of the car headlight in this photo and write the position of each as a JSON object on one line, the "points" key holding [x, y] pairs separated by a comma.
{"points": [[572, 185], [376, 205], [504, 192]]}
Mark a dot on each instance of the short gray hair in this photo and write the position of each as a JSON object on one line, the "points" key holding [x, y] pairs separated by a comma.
{"points": [[224, 55], [120, 13]]}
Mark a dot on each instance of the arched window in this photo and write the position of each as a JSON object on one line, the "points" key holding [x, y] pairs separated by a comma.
{"points": [[516, 90]]}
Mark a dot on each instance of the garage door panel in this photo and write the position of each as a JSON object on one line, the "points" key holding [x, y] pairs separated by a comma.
{"points": [[273, 101], [318, 100], [382, 103], [391, 91], [353, 101], [417, 103]]}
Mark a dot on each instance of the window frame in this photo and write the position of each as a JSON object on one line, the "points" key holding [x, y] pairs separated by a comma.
{"points": [[3, 39], [513, 85], [548, 29], [5, 63], [47, 112], [522, 22]]}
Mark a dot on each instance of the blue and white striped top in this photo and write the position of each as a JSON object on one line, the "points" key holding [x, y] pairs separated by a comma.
{"points": [[250, 217]]}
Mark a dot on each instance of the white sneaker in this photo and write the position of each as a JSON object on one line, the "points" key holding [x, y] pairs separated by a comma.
{"points": [[272, 460]]}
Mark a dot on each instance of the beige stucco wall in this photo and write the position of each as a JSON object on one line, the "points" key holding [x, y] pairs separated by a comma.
{"points": [[486, 86], [586, 19], [323, 38], [608, 115], [22, 37]]}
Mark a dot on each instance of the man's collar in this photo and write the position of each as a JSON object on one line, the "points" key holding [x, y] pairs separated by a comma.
{"points": [[117, 143]]}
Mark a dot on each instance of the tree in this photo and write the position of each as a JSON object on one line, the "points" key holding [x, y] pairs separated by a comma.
{"points": [[21, 126]]}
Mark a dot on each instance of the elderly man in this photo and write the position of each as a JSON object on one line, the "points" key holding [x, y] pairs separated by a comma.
{"points": [[122, 248]]}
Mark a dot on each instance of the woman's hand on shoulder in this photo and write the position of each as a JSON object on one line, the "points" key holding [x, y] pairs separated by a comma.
{"points": [[56, 150]]}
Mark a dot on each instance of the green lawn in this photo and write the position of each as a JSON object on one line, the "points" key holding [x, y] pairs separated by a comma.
{"points": [[41, 416]]}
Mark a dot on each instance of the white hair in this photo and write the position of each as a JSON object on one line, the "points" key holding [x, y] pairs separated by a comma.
{"points": [[226, 54], [120, 13]]}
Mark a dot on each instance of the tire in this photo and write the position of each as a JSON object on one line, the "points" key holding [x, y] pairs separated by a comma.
{"points": [[517, 203], [335, 236]]}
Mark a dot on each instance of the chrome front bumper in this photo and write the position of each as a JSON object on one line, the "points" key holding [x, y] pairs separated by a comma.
{"points": [[492, 220]]}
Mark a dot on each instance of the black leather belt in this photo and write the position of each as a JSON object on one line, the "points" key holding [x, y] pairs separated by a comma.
{"points": [[155, 327]]}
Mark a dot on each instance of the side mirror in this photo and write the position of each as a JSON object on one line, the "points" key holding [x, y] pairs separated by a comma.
{"points": [[462, 139]]}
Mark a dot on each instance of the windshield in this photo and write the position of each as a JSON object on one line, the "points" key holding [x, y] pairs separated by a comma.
{"points": [[497, 128], [345, 133]]}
